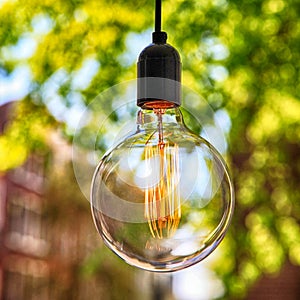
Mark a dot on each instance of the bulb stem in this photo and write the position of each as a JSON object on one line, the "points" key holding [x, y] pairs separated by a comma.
{"points": [[159, 112]]}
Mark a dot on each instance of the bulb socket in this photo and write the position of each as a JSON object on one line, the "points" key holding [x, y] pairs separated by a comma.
{"points": [[159, 72]]}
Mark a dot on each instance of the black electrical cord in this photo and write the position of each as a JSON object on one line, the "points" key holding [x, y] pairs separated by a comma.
{"points": [[158, 16]]}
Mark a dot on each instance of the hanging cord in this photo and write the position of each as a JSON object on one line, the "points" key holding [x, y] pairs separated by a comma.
{"points": [[158, 36], [157, 15]]}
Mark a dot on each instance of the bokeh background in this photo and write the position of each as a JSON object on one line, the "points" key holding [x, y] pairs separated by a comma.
{"points": [[57, 56]]}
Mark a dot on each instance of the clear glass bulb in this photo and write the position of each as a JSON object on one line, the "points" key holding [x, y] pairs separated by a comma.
{"points": [[162, 199]]}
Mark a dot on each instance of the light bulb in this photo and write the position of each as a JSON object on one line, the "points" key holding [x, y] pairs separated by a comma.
{"points": [[162, 198]]}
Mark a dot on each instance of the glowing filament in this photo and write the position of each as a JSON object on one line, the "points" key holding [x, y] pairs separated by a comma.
{"points": [[162, 195]]}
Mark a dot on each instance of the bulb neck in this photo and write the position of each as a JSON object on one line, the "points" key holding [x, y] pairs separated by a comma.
{"points": [[169, 117]]}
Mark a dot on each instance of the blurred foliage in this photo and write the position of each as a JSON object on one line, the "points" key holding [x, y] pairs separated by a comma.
{"points": [[25, 132], [242, 56]]}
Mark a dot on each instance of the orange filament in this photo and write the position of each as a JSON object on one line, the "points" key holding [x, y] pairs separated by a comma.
{"points": [[162, 199]]}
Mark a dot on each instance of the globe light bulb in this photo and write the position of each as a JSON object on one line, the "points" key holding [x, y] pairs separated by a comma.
{"points": [[162, 198]]}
